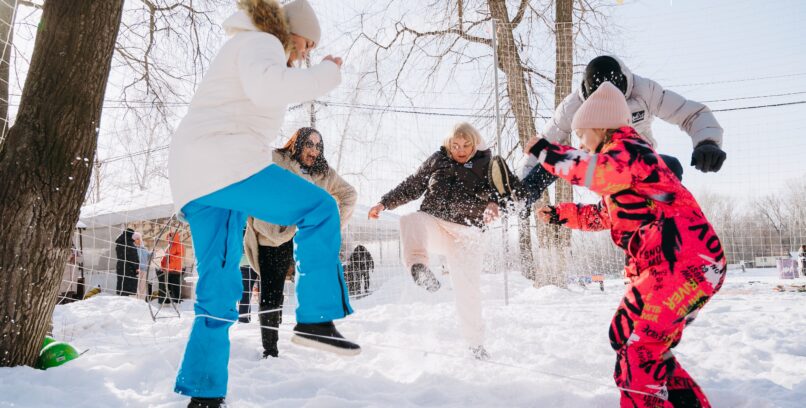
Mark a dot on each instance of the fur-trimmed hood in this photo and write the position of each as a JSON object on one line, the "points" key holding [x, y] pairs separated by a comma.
{"points": [[260, 15], [238, 22]]}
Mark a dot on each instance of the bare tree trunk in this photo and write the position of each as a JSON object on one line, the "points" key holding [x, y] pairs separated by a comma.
{"points": [[563, 76], [555, 240], [528, 268], [6, 37], [510, 62], [45, 165]]}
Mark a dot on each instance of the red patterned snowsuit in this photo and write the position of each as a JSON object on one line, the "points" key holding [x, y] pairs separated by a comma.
{"points": [[675, 261]]}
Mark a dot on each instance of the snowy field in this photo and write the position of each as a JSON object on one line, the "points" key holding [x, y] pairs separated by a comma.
{"points": [[549, 348]]}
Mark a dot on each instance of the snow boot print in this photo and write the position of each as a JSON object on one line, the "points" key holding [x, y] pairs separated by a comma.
{"points": [[424, 277]]}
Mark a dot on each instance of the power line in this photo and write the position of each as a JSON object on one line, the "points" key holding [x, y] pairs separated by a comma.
{"points": [[127, 155], [730, 81], [458, 112], [772, 105], [755, 97], [165, 147]]}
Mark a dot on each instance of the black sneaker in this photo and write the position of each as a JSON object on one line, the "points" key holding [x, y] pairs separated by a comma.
{"points": [[198, 402], [424, 277], [324, 336]]}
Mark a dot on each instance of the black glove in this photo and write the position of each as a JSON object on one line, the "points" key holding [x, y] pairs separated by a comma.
{"points": [[554, 216], [707, 156]]}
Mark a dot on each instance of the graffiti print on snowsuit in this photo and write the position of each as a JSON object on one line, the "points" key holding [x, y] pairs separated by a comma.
{"points": [[675, 261]]}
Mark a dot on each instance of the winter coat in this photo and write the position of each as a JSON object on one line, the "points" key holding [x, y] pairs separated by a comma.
{"points": [[261, 233], [647, 99], [237, 111], [357, 270], [126, 252], [174, 255], [454, 192], [651, 216], [145, 257]]}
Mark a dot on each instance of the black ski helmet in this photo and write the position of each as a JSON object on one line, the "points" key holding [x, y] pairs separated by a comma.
{"points": [[603, 68]]}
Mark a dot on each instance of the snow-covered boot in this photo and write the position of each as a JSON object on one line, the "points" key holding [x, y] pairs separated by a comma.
{"points": [[480, 353], [424, 277], [324, 336], [269, 322], [198, 402]]}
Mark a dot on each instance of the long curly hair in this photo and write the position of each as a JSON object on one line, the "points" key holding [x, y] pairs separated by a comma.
{"points": [[268, 16], [295, 145]]}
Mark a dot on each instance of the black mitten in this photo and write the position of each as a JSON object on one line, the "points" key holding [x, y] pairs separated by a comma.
{"points": [[707, 156]]}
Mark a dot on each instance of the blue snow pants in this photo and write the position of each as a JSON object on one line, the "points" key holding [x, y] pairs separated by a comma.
{"points": [[217, 223]]}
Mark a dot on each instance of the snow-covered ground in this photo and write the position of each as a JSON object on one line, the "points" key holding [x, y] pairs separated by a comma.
{"points": [[549, 347]]}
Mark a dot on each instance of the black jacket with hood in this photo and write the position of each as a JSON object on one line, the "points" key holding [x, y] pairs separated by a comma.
{"points": [[126, 251]]}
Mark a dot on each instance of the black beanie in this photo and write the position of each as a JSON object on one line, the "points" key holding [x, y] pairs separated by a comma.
{"points": [[601, 69]]}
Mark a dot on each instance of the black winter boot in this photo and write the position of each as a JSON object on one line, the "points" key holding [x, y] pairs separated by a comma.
{"points": [[324, 336], [424, 277], [270, 336], [198, 402]]}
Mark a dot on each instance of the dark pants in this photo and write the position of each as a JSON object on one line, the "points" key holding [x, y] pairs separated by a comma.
{"points": [[539, 179], [249, 278], [170, 289], [274, 263], [126, 284]]}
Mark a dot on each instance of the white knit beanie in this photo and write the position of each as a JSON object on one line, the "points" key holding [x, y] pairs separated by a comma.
{"points": [[606, 108], [302, 20]]}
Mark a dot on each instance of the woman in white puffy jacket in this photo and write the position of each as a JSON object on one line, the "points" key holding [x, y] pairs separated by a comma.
{"points": [[221, 172]]}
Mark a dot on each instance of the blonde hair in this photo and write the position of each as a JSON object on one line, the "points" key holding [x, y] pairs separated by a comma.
{"points": [[465, 131], [268, 16]]}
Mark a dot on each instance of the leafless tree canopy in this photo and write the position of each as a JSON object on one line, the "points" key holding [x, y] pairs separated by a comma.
{"points": [[419, 49]]}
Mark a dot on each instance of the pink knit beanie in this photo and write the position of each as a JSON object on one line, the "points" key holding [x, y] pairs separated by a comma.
{"points": [[604, 109]]}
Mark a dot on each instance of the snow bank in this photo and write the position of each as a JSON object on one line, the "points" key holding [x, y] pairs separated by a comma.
{"points": [[549, 347]]}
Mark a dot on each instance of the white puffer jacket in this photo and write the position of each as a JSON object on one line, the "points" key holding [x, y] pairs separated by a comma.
{"points": [[238, 110], [647, 100]]}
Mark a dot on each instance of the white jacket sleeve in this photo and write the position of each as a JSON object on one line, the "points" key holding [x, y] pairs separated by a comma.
{"points": [[557, 129], [692, 117], [267, 81]]}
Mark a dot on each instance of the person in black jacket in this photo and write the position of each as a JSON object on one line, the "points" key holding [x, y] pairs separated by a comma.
{"points": [[357, 270], [459, 200], [128, 262]]}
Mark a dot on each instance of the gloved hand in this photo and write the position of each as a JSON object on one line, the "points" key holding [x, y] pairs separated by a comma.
{"points": [[707, 156], [548, 214]]}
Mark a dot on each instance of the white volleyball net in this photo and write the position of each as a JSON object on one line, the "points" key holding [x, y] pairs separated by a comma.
{"points": [[402, 92]]}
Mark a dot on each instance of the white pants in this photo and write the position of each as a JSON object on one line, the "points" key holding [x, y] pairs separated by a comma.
{"points": [[423, 234], [142, 284]]}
